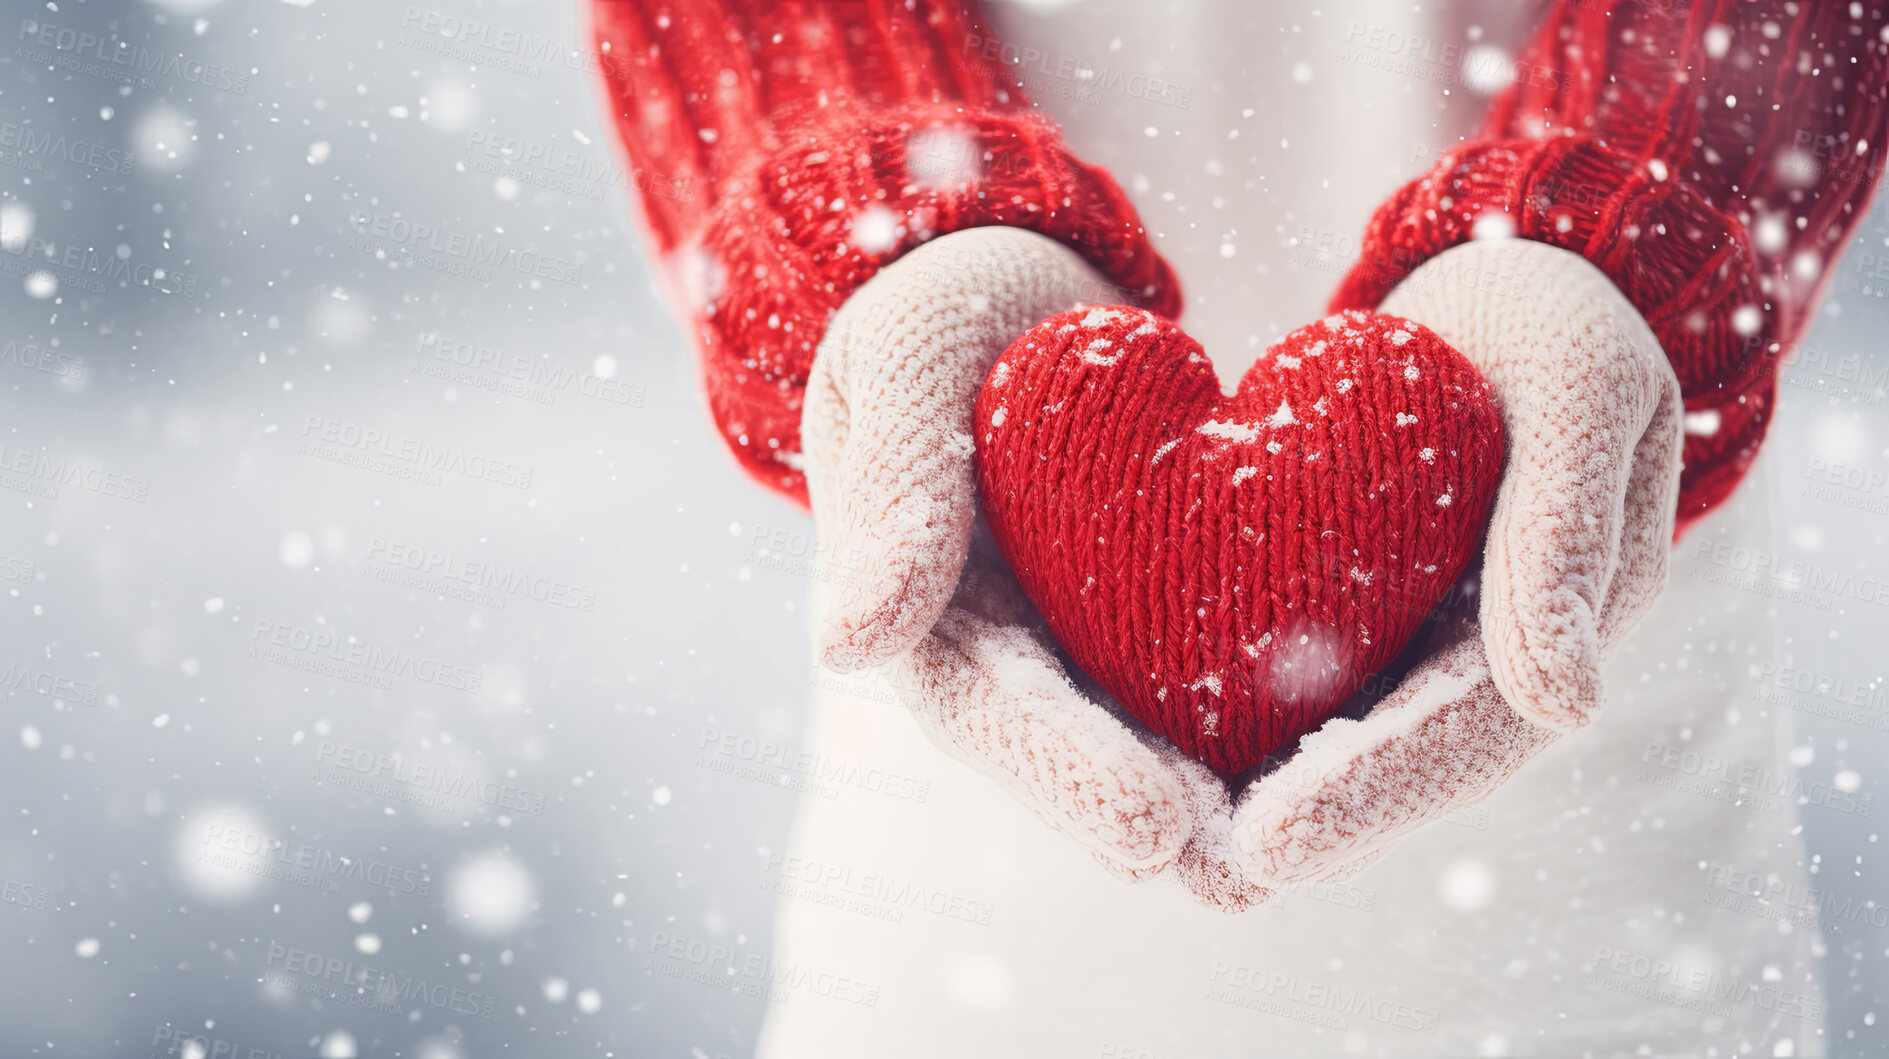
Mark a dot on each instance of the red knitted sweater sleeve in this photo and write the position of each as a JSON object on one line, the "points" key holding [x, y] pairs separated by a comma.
{"points": [[1712, 158], [786, 150]]}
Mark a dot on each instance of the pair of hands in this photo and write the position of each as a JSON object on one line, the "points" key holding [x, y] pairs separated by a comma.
{"points": [[1577, 548]]}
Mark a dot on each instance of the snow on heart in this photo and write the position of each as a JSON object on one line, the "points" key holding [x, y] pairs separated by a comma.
{"points": [[1232, 568]]}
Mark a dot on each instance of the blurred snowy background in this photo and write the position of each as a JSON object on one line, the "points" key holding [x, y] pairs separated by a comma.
{"points": [[379, 607]]}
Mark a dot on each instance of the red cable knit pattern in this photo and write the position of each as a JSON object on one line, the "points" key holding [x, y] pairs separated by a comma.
{"points": [[1231, 568], [1766, 123], [788, 151], [1677, 258]]}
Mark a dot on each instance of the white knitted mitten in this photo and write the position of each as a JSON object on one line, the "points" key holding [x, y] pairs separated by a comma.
{"points": [[886, 431], [1578, 541]]}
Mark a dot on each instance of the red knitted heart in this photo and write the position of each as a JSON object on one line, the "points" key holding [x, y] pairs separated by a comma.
{"points": [[1231, 568]]}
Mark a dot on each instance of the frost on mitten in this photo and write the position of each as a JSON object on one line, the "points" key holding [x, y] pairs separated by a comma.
{"points": [[787, 152], [1713, 160]]}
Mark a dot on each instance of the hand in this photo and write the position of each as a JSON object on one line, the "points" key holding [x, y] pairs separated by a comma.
{"points": [[1578, 542], [886, 431]]}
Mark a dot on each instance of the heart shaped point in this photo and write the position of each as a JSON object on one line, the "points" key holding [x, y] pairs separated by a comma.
{"points": [[1232, 568]]}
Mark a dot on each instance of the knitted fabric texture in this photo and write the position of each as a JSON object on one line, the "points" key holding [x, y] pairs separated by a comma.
{"points": [[1577, 554], [1583, 522], [788, 151], [1577, 376], [1712, 160], [889, 451], [1231, 568]]}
